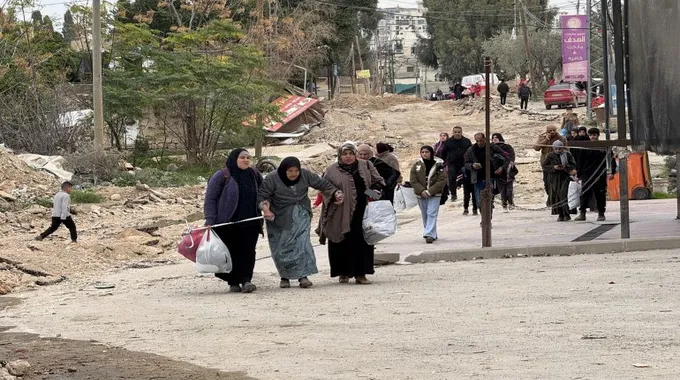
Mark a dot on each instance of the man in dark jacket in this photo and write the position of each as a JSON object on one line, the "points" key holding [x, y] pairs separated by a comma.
{"points": [[524, 94], [475, 161], [453, 155], [592, 170], [503, 90]]}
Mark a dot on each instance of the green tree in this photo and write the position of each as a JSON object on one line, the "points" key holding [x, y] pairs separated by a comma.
{"points": [[69, 28], [458, 28]]}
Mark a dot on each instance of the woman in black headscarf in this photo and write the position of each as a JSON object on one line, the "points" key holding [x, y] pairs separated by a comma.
{"points": [[560, 165], [285, 203], [428, 179], [231, 196], [505, 181]]}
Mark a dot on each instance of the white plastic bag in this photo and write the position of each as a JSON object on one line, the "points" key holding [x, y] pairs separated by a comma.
{"points": [[380, 221], [574, 194], [404, 198], [212, 255]]}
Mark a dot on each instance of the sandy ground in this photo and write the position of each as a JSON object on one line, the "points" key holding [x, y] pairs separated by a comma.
{"points": [[579, 317]]}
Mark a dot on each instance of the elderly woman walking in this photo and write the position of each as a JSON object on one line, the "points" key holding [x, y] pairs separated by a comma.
{"points": [[505, 181], [231, 196], [348, 252], [388, 173], [428, 179], [285, 203], [559, 165]]}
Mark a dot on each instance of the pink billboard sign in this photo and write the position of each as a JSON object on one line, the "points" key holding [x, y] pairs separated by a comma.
{"points": [[575, 40]]}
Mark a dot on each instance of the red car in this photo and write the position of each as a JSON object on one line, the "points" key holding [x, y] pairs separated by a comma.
{"points": [[564, 94]]}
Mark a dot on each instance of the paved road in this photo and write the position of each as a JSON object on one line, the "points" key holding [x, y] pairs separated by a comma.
{"points": [[578, 317]]}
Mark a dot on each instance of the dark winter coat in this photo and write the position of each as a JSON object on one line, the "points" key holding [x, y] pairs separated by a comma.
{"points": [[454, 151], [222, 196], [558, 180], [503, 88], [477, 154]]}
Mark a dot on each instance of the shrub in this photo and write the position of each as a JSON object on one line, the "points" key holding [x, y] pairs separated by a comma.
{"points": [[101, 166], [85, 196], [45, 202]]}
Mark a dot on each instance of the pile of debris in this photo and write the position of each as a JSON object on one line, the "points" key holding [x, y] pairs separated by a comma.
{"points": [[21, 183], [369, 102]]}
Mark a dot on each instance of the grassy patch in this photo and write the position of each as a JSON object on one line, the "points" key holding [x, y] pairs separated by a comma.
{"points": [[86, 196], [45, 202], [658, 195]]}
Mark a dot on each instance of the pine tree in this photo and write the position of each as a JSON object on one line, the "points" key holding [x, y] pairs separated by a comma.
{"points": [[69, 29]]}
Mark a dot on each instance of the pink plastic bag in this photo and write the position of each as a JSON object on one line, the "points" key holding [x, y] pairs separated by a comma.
{"points": [[188, 246]]}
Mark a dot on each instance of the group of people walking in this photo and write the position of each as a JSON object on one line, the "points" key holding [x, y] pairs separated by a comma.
{"points": [[523, 93], [562, 165], [238, 193]]}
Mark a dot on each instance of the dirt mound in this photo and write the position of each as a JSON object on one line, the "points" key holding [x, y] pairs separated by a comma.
{"points": [[368, 102], [20, 183]]}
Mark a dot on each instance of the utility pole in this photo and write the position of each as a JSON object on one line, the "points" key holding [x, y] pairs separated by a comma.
{"points": [[589, 87], [97, 92], [259, 122], [486, 205], [527, 48], [354, 70]]}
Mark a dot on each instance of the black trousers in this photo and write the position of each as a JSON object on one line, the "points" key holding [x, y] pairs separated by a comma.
{"points": [[56, 222], [599, 190], [451, 176], [504, 98], [468, 194], [523, 103]]}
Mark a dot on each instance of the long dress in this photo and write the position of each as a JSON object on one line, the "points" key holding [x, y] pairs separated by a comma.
{"points": [[352, 256], [241, 238], [558, 182]]}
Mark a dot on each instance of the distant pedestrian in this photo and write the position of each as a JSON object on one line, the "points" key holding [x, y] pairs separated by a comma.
{"points": [[61, 214], [475, 162], [503, 90], [386, 153], [388, 173], [560, 166], [439, 145], [524, 95], [453, 155], [593, 174], [505, 181], [428, 179], [544, 145]]}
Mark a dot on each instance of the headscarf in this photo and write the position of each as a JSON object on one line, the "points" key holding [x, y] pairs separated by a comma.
{"points": [[428, 163], [348, 145], [366, 148], [382, 148], [247, 187], [232, 163], [500, 137], [287, 163], [559, 145]]}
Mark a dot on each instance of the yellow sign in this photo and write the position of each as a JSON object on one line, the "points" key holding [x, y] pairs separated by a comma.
{"points": [[363, 74]]}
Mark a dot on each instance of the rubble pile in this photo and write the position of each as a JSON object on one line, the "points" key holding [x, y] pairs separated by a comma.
{"points": [[369, 102], [20, 183]]}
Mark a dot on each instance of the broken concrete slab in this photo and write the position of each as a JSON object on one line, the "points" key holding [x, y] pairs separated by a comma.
{"points": [[568, 249], [385, 258]]}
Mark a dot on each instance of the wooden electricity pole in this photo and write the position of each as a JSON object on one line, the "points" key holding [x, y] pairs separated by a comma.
{"points": [[525, 32], [97, 92], [259, 122]]}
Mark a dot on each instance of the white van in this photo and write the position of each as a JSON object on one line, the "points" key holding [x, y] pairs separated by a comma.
{"points": [[469, 80]]}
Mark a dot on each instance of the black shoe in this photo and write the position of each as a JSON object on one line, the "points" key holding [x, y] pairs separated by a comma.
{"points": [[38, 238], [429, 240], [234, 289], [560, 218], [466, 212], [601, 218], [474, 212], [248, 287], [581, 217]]}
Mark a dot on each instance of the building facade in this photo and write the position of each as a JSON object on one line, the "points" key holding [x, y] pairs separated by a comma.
{"points": [[396, 43]]}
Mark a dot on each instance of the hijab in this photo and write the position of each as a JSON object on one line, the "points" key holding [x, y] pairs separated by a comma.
{"points": [[247, 187], [232, 163], [500, 137], [351, 168], [382, 148], [287, 163], [428, 163], [563, 154], [366, 148]]}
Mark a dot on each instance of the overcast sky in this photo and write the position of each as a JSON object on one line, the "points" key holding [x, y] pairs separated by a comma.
{"points": [[56, 8]]}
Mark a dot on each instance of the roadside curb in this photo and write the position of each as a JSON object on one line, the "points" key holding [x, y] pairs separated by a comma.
{"points": [[563, 249]]}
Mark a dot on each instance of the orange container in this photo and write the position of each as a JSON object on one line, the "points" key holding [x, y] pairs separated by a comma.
{"points": [[639, 181]]}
